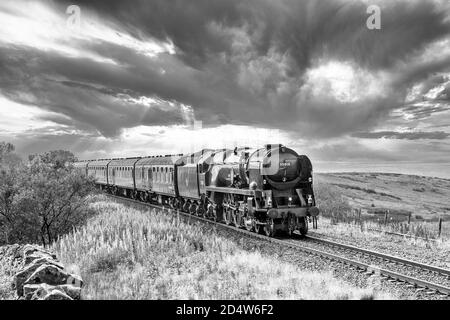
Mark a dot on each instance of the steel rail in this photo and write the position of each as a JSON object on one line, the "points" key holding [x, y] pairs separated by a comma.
{"points": [[370, 269], [384, 256]]}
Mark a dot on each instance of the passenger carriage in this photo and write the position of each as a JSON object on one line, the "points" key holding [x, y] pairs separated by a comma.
{"points": [[121, 176], [155, 179], [98, 170]]}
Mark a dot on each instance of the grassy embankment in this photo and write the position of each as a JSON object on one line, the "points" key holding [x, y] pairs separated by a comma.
{"points": [[124, 253]]}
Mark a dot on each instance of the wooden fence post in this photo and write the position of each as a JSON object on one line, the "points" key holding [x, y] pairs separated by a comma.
{"points": [[359, 215], [440, 227], [409, 218], [386, 216]]}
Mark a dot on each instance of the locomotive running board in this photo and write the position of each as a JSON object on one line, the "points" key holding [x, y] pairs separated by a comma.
{"points": [[244, 192]]}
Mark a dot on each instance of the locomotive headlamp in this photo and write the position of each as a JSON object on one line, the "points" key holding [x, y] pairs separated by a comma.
{"points": [[264, 181], [310, 179], [269, 201], [289, 201], [310, 199]]}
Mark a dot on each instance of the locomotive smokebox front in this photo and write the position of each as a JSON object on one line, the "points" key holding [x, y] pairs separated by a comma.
{"points": [[281, 165]]}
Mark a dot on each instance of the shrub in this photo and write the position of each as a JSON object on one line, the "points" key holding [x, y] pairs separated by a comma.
{"points": [[107, 260], [41, 199]]}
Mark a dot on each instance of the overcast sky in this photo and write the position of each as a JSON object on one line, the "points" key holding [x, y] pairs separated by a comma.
{"points": [[160, 76]]}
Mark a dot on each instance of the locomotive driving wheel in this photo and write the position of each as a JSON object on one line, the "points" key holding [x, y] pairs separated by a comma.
{"points": [[269, 228], [240, 219], [248, 223], [226, 215], [193, 209], [211, 212], [303, 226], [258, 228], [185, 206], [233, 216], [226, 211], [200, 212], [291, 225]]}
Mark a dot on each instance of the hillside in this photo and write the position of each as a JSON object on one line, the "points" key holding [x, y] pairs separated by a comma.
{"points": [[425, 197]]}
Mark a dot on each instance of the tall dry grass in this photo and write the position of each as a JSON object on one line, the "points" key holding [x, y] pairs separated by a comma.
{"points": [[124, 253]]}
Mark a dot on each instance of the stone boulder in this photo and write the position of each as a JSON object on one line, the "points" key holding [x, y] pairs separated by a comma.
{"points": [[30, 248], [25, 273], [71, 290], [36, 291], [53, 275], [42, 277], [31, 253], [57, 295], [42, 290]]}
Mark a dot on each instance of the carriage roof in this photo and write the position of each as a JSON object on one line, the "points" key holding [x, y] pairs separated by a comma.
{"points": [[126, 162], [163, 160], [98, 163]]}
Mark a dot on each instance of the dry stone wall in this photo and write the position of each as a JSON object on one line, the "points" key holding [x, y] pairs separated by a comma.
{"points": [[39, 275]]}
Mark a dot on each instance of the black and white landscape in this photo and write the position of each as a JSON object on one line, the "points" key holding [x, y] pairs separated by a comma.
{"points": [[361, 87]]}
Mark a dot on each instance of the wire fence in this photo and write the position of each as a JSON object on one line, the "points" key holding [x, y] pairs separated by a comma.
{"points": [[393, 222]]}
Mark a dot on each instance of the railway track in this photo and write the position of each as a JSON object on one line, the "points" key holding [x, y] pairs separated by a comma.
{"points": [[392, 269]]}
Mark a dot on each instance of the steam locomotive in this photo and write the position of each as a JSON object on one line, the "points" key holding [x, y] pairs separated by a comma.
{"points": [[266, 190]]}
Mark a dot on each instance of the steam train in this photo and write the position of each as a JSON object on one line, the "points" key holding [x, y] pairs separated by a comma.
{"points": [[266, 190]]}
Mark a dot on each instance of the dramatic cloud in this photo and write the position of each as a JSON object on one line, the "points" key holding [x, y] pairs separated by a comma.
{"points": [[309, 70]]}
